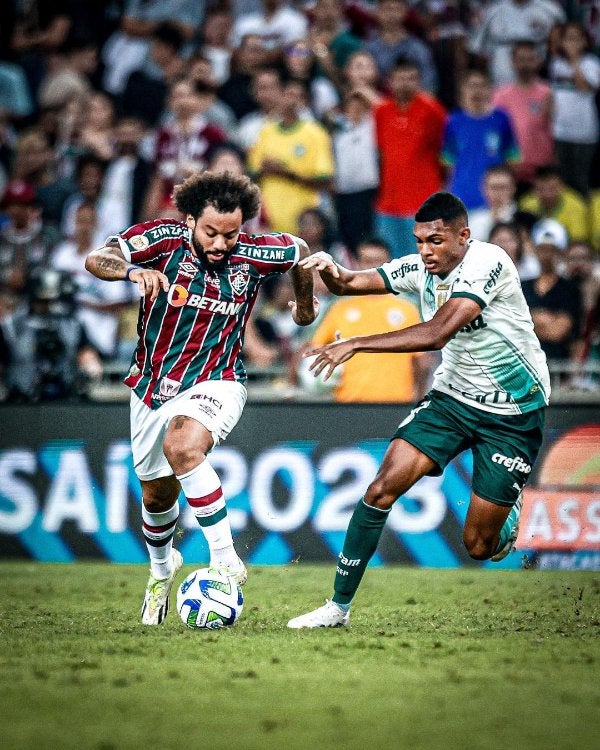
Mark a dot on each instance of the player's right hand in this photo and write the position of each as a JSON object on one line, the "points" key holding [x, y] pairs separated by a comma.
{"points": [[149, 282], [321, 261]]}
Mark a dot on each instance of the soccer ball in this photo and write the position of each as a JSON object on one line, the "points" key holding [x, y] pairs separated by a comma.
{"points": [[208, 599], [316, 385]]}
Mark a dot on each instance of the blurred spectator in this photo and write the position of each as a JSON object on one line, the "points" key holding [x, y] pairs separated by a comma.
{"points": [[330, 37], [97, 304], [504, 22], [126, 180], [25, 243], [393, 41], [528, 102], [248, 60], [594, 203], [41, 28], [477, 136], [316, 230], [44, 343], [70, 73], [554, 302], [89, 178], [215, 45], [266, 91], [181, 145], [96, 134], [551, 198], [292, 160], [301, 64], [8, 138], [499, 191], [35, 162], [409, 128], [360, 378], [146, 89], [277, 24], [127, 48], [15, 98], [589, 348], [15, 95], [575, 77], [446, 23], [580, 268], [356, 169], [361, 75], [215, 110], [514, 239]]}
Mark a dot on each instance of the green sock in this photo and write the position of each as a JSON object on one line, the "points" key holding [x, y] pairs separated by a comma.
{"points": [[362, 538], [507, 527]]}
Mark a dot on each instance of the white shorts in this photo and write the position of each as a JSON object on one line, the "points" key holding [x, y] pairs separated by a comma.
{"points": [[216, 404]]}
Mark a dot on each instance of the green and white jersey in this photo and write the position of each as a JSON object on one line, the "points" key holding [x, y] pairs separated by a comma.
{"points": [[495, 363]]}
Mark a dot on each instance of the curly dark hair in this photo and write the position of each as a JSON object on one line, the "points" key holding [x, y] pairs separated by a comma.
{"points": [[223, 190]]}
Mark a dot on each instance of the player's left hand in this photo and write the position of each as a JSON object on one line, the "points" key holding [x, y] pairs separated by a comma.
{"points": [[328, 357], [304, 318]]}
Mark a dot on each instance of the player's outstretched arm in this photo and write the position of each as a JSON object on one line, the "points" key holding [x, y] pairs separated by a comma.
{"points": [[305, 306], [429, 336], [109, 264], [344, 281]]}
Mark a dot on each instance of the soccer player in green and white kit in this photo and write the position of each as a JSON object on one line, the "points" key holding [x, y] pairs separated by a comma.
{"points": [[198, 279], [489, 393]]}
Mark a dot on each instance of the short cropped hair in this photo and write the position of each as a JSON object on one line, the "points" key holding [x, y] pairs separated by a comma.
{"points": [[224, 191], [445, 206]]}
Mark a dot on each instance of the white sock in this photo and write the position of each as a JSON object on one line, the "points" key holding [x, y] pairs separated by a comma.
{"points": [[202, 488], [158, 530]]}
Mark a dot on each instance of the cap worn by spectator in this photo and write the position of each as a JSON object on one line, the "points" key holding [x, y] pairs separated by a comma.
{"points": [[18, 192], [550, 232]]}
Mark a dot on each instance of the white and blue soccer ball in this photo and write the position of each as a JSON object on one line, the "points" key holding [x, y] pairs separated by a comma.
{"points": [[209, 599]]}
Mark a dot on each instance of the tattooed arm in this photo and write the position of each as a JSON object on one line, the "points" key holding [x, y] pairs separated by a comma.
{"points": [[108, 263]]}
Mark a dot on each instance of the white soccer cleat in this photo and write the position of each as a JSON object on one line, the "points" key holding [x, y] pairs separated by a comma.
{"points": [[327, 616], [156, 600], [509, 546], [238, 572]]}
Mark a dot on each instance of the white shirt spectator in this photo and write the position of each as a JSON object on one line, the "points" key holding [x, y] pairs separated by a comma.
{"points": [[355, 153], [101, 326], [285, 26], [507, 21], [575, 116]]}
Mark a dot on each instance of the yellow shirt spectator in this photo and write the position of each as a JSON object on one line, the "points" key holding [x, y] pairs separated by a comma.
{"points": [[302, 152], [372, 377], [552, 199]]}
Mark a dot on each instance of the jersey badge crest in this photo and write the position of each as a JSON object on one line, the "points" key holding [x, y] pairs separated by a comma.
{"points": [[168, 388], [441, 294], [239, 281], [139, 241]]}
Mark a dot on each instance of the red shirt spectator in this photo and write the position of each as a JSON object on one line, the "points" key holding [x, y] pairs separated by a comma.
{"points": [[410, 129]]}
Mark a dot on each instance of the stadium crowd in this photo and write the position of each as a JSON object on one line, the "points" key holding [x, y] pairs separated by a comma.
{"points": [[347, 114]]}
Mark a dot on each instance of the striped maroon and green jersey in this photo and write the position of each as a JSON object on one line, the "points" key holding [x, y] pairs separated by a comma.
{"points": [[195, 331]]}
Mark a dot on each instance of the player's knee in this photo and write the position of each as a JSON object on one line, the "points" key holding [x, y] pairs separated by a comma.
{"points": [[158, 503], [182, 455], [477, 545], [379, 495]]}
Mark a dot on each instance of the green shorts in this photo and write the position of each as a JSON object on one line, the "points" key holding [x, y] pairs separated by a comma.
{"points": [[504, 446]]}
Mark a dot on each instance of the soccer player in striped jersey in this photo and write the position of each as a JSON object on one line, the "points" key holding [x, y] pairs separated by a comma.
{"points": [[488, 395], [198, 280]]}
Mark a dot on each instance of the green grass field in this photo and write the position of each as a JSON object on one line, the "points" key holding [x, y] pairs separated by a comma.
{"points": [[433, 660]]}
